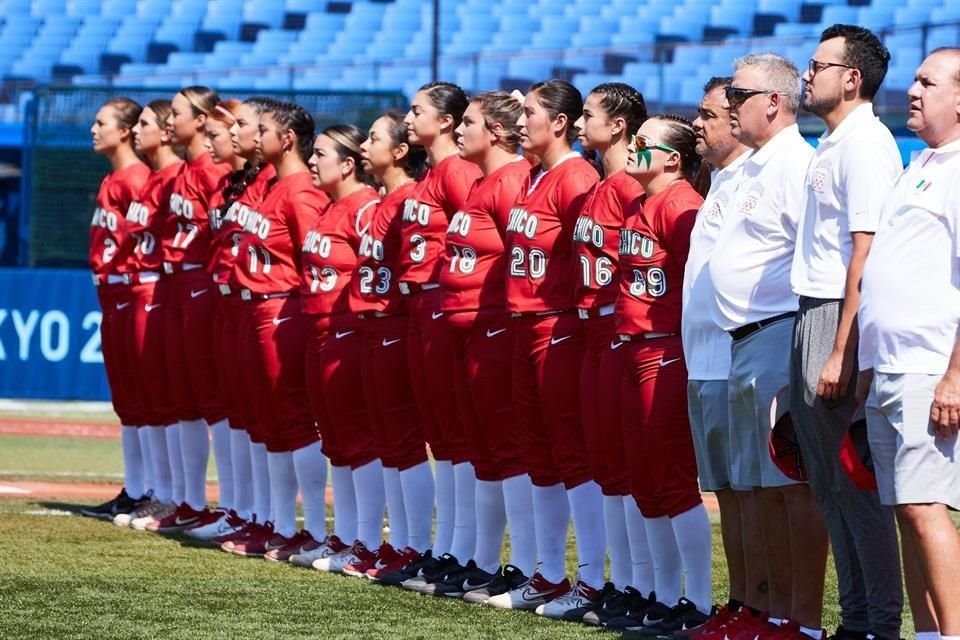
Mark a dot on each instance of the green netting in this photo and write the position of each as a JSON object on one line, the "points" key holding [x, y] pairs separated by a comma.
{"points": [[64, 173]]}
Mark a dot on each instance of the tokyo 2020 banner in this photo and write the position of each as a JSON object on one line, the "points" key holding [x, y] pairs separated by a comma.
{"points": [[50, 336]]}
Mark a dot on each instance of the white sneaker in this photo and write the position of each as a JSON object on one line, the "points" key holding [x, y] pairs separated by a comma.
{"points": [[535, 592], [226, 522], [581, 595], [329, 546], [155, 511], [336, 562]]}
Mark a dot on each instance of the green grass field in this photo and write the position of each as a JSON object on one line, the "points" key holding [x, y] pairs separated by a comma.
{"points": [[72, 577]]}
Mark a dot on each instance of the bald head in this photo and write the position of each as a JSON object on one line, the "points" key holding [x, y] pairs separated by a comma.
{"points": [[934, 98]]}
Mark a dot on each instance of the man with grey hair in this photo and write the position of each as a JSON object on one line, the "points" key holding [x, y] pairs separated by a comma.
{"points": [[853, 170], [754, 303], [910, 346]]}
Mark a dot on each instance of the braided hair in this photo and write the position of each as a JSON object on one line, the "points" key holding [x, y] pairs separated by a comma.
{"points": [[293, 117], [621, 100], [680, 135]]}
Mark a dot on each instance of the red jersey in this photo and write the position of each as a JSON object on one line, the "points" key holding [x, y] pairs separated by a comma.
{"points": [[329, 253], [653, 253], [227, 225], [474, 267], [426, 214], [108, 228], [186, 234], [374, 289], [596, 239], [268, 256], [146, 216], [542, 264]]}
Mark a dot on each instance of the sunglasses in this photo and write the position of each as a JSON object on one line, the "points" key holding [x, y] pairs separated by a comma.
{"points": [[814, 67], [641, 142], [736, 96]]}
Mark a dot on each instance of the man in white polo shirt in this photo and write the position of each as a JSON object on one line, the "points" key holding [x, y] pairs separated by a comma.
{"points": [[706, 349], [754, 303], [910, 343], [853, 170]]}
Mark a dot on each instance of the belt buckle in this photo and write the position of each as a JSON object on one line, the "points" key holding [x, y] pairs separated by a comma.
{"points": [[404, 288], [246, 294], [625, 337], [96, 279], [584, 314], [224, 289], [127, 278], [168, 268]]}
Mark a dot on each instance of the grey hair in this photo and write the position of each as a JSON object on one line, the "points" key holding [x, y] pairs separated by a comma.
{"points": [[781, 76]]}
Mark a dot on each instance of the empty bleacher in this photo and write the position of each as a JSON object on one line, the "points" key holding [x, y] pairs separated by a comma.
{"points": [[666, 49]]}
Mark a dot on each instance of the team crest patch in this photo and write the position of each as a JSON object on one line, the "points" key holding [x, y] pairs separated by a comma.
{"points": [[821, 177], [714, 214], [752, 200]]}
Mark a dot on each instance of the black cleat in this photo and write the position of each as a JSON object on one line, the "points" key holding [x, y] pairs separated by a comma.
{"points": [[683, 616], [508, 579], [122, 503]]}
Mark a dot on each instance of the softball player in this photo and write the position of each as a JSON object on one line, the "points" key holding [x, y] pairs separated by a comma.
{"points": [[435, 113], [329, 259], [549, 343], [611, 113], [112, 133], [267, 270], [656, 427], [472, 281], [242, 197], [375, 298], [188, 327], [148, 293]]}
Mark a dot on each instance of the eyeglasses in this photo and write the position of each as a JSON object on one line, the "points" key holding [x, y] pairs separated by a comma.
{"points": [[736, 96], [814, 66], [641, 142]]}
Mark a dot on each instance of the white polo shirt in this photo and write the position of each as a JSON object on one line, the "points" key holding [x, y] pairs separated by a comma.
{"points": [[852, 171], [706, 347], [910, 300], [750, 266]]}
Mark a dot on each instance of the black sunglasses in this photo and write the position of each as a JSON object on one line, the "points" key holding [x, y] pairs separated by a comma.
{"points": [[736, 96]]}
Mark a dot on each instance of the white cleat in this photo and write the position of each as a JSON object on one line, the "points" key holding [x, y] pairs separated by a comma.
{"points": [[228, 522], [581, 595], [328, 547]]}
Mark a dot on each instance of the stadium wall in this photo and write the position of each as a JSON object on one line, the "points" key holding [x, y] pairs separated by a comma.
{"points": [[50, 336]]}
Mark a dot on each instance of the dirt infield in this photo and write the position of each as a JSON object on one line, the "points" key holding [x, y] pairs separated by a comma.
{"points": [[23, 427]]}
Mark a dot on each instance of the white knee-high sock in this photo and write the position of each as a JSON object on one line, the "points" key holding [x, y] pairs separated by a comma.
{"points": [[242, 473], [132, 461], [692, 532], [618, 543], [491, 522], [418, 493], [260, 468], [667, 568], [371, 500], [311, 468], [396, 512], [344, 504], [149, 484], [642, 580], [220, 433], [195, 449], [163, 481], [518, 501], [465, 513], [172, 433], [586, 508], [551, 520], [446, 489], [283, 492]]}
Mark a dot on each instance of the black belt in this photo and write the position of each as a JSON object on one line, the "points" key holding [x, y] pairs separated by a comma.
{"points": [[749, 329]]}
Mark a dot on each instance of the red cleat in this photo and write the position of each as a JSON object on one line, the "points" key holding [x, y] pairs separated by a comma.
{"points": [[293, 547], [184, 517]]}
